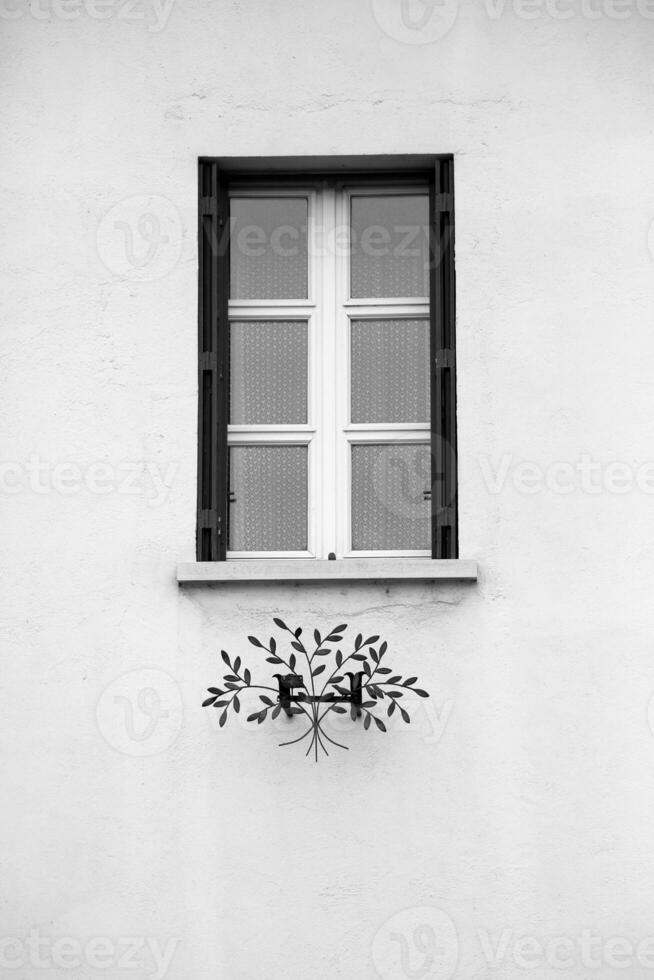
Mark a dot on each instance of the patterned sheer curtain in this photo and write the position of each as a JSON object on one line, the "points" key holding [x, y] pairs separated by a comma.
{"points": [[390, 373], [389, 510], [390, 370], [385, 443], [269, 512], [268, 374]]}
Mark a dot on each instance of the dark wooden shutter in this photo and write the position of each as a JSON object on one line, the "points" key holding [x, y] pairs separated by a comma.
{"points": [[445, 542], [213, 367]]}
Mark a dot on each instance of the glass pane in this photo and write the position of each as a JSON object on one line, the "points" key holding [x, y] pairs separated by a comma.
{"points": [[390, 370], [389, 512], [268, 248], [269, 484], [268, 372], [389, 246]]}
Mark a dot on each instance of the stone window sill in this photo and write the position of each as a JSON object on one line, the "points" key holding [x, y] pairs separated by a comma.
{"points": [[315, 570]]}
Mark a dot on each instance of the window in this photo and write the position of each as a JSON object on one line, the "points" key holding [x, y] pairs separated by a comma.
{"points": [[326, 363]]}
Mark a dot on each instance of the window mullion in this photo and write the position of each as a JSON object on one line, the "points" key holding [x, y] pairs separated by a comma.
{"points": [[326, 371], [341, 415]]}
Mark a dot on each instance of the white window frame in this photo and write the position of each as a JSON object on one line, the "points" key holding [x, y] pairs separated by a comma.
{"points": [[329, 310]]}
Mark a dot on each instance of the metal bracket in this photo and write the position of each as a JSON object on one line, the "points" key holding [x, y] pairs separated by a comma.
{"points": [[356, 692], [207, 206], [442, 202], [444, 358], [444, 516], [289, 682]]}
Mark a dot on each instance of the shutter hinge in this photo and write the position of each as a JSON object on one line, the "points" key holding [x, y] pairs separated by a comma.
{"points": [[445, 358], [444, 517], [443, 202], [208, 206], [207, 361]]}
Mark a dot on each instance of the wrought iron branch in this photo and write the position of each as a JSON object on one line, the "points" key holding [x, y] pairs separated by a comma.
{"points": [[296, 697]]}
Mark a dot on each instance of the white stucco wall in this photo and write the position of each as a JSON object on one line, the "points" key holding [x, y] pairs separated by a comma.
{"points": [[521, 805]]}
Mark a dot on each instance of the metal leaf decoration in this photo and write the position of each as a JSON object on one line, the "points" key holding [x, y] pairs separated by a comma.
{"points": [[370, 689]]}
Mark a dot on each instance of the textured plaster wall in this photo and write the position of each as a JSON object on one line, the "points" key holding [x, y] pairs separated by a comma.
{"points": [[521, 805]]}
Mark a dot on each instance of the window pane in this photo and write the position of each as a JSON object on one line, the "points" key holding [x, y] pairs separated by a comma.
{"points": [[268, 372], [390, 246], [268, 248], [389, 512], [270, 509], [390, 370]]}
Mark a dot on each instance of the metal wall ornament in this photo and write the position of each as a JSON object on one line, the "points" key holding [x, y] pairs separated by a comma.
{"points": [[368, 690]]}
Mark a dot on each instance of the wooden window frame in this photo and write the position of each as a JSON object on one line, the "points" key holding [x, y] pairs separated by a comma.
{"points": [[216, 177]]}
